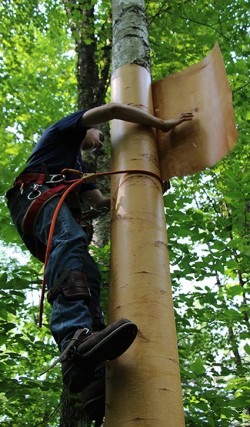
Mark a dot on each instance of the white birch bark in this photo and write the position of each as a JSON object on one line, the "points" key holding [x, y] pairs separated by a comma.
{"points": [[130, 35]]}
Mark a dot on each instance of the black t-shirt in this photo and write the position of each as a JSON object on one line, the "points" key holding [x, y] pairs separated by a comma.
{"points": [[59, 148]]}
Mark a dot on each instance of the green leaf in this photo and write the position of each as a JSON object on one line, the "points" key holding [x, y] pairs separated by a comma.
{"points": [[198, 366], [247, 348]]}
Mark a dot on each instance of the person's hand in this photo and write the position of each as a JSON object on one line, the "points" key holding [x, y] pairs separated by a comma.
{"points": [[95, 199], [103, 202], [170, 124]]}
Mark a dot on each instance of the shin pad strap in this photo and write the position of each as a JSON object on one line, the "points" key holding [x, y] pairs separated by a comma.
{"points": [[73, 285]]}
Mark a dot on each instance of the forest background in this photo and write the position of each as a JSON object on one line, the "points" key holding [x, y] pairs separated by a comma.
{"points": [[55, 58]]}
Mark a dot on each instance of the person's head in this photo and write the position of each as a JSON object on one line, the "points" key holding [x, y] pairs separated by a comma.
{"points": [[93, 140]]}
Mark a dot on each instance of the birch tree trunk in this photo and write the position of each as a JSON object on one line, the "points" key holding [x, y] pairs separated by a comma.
{"points": [[143, 386]]}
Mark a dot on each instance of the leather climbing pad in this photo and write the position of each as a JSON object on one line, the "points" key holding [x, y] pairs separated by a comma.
{"points": [[203, 89]]}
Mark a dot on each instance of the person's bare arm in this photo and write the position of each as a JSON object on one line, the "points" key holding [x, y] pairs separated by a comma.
{"points": [[131, 114]]}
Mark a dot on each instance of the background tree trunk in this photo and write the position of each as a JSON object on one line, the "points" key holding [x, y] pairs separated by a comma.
{"points": [[92, 83]]}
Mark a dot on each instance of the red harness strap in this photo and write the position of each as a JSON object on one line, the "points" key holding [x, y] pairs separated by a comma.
{"points": [[27, 178]]}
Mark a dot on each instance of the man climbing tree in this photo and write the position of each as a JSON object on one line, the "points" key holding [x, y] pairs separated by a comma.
{"points": [[71, 275]]}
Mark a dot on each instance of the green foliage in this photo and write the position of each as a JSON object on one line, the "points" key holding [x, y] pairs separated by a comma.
{"points": [[207, 214], [208, 231], [25, 352]]}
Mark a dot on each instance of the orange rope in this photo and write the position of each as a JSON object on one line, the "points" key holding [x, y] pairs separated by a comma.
{"points": [[75, 183]]}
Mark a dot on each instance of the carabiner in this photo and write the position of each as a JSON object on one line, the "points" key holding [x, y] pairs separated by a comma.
{"points": [[35, 193], [54, 179]]}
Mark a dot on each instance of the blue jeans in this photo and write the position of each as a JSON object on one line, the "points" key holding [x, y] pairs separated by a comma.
{"points": [[69, 251]]}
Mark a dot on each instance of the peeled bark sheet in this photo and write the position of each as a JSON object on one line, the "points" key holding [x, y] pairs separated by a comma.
{"points": [[203, 89]]}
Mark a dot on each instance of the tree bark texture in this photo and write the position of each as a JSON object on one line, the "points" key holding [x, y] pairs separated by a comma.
{"points": [[130, 35], [143, 386], [92, 83]]}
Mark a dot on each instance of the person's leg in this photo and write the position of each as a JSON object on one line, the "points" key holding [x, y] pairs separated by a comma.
{"points": [[72, 276]]}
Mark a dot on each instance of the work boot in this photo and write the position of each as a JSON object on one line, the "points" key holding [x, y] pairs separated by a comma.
{"points": [[86, 350]]}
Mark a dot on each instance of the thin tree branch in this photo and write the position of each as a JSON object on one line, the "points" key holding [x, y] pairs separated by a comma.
{"points": [[241, 87], [49, 417], [162, 10]]}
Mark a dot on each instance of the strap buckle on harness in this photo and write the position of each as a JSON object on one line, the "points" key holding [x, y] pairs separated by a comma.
{"points": [[35, 193], [54, 179]]}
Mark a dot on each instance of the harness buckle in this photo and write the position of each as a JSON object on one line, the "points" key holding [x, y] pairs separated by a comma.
{"points": [[35, 193], [54, 179]]}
